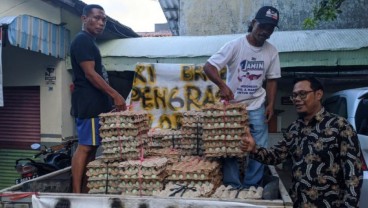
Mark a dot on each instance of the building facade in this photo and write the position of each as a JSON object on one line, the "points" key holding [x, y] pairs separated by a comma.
{"points": [[217, 17]]}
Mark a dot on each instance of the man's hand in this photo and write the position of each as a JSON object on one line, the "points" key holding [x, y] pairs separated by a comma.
{"points": [[119, 102], [269, 113], [247, 143], [226, 93], [212, 74]]}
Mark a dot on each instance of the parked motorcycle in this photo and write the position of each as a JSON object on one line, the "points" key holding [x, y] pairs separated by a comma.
{"points": [[54, 158]]}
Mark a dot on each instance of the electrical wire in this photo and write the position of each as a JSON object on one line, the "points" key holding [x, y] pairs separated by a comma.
{"points": [[120, 33], [14, 6]]}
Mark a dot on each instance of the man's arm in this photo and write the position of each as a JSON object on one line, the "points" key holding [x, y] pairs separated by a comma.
{"points": [[350, 154], [98, 82], [271, 89], [273, 156], [213, 75]]}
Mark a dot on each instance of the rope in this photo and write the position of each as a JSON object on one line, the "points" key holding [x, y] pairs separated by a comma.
{"points": [[107, 178], [182, 189], [224, 119], [141, 159]]}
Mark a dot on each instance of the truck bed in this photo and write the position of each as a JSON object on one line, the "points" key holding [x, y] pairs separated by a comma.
{"points": [[54, 188]]}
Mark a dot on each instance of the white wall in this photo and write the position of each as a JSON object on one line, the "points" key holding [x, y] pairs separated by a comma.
{"points": [[22, 67], [215, 17], [25, 68], [34, 8]]}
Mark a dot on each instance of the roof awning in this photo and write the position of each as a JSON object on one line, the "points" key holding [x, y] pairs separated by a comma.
{"points": [[37, 35]]}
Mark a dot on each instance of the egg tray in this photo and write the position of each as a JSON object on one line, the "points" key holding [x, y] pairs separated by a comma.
{"points": [[178, 190], [155, 144], [152, 162], [221, 137], [228, 192], [223, 149], [221, 106], [180, 176], [240, 118], [172, 155], [229, 152], [139, 126], [182, 147], [193, 165], [214, 132], [143, 136], [122, 144], [122, 132], [94, 172], [98, 166], [192, 113], [192, 125], [159, 177], [102, 190], [165, 132], [112, 157], [142, 184], [103, 177], [189, 146], [141, 170], [121, 150], [190, 152], [125, 145], [172, 136], [191, 132], [223, 125], [157, 132], [169, 144], [220, 144], [96, 184], [190, 141], [137, 192], [98, 163], [124, 116]]}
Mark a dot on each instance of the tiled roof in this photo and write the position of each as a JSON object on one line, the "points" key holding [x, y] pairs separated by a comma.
{"points": [[155, 34]]}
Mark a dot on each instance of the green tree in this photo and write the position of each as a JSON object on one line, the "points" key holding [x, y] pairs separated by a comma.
{"points": [[325, 10]]}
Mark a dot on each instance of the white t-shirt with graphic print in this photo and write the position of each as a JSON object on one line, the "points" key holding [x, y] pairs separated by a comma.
{"points": [[247, 68]]}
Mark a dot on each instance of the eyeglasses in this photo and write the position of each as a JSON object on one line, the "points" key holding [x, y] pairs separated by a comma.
{"points": [[301, 94]]}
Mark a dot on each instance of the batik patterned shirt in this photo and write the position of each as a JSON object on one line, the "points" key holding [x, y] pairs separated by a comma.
{"points": [[326, 159]]}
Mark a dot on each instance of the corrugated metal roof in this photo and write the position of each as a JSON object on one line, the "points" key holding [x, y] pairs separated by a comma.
{"points": [[6, 20], [37, 35], [196, 46], [171, 12]]}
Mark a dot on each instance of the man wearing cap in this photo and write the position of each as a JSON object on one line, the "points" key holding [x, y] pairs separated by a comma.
{"points": [[250, 60]]}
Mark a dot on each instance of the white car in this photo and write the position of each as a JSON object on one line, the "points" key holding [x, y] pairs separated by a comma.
{"points": [[353, 105]]}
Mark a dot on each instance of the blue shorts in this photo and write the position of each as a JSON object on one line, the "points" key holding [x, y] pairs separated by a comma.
{"points": [[88, 131]]}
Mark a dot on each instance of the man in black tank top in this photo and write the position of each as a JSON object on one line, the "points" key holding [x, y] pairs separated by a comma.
{"points": [[92, 93]]}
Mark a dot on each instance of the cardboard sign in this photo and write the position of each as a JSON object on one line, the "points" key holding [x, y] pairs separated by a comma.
{"points": [[165, 90]]}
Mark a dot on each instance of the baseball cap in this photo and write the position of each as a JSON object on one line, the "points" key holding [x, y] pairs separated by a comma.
{"points": [[268, 15]]}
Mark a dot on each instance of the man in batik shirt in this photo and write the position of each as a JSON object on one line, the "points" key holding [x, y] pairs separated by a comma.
{"points": [[324, 149]]}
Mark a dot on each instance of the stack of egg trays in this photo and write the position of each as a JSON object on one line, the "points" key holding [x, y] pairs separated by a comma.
{"points": [[191, 129], [123, 135], [223, 128], [142, 177], [103, 177], [172, 138], [196, 171]]}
